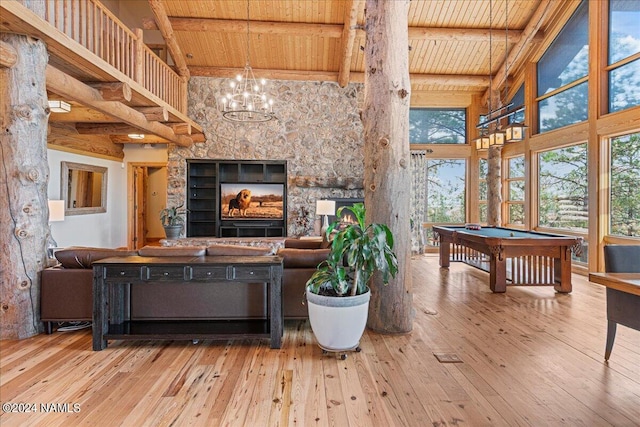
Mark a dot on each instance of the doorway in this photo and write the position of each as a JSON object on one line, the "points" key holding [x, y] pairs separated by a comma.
{"points": [[147, 196]]}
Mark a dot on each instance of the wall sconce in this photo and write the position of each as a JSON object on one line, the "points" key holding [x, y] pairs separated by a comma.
{"points": [[59, 107], [325, 207]]}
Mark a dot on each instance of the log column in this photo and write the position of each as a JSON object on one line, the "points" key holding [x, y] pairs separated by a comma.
{"points": [[494, 187], [387, 178], [24, 175]]}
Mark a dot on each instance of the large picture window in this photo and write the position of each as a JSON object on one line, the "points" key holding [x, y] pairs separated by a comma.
{"points": [[562, 75], [562, 189], [483, 165], [624, 46], [437, 126], [625, 185], [515, 191], [446, 191]]}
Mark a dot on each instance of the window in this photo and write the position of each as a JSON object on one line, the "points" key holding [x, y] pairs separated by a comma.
{"points": [[562, 189], [437, 126], [562, 75], [624, 43], [515, 191], [517, 101], [625, 182], [446, 191], [482, 176]]}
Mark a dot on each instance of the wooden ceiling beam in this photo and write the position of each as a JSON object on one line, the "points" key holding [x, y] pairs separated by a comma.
{"points": [[324, 30], [348, 38], [332, 76], [156, 114], [116, 91], [81, 114], [164, 25], [106, 129], [257, 27], [148, 139], [73, 89]]}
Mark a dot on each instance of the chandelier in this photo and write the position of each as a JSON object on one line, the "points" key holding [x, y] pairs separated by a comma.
{"points": [[247, 100], [490, 132]]}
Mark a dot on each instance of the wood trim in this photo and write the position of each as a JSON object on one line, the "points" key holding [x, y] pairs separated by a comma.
{"points": [[558, 138], [130, 211]]}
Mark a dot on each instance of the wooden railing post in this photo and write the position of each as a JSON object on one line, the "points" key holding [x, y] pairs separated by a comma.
{"points": [[138, 62], [184, 91]]}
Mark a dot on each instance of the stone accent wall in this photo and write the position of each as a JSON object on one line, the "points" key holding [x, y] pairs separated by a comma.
{"points": [[318, 132]]}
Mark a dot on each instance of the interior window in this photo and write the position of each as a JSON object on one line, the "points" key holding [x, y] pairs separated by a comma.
{"points": [[625, 182], [562, 189], [563, 65], [437, 126], [624, 43]]}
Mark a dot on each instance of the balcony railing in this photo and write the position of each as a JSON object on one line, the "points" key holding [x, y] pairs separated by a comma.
{"points": [[93, 26]]}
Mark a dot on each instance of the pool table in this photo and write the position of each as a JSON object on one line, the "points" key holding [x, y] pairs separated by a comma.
{"points": [[512, 257]]}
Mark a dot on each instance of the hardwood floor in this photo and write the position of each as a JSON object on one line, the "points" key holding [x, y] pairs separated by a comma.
{"points": [[528, 357]]}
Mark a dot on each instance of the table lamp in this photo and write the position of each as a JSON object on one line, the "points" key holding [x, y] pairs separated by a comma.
{"points": [[56, 214], [326, 208]]}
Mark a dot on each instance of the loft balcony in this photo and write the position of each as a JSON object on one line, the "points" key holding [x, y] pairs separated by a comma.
{"points": [[94, 59]]}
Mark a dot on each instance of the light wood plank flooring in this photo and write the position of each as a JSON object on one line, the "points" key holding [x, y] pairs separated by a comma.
{"points": [[529, 357]]}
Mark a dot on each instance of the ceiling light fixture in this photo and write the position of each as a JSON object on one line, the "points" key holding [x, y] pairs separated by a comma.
{"points": [[136, 135], [247, 102], [59, 106], [514, 131]]}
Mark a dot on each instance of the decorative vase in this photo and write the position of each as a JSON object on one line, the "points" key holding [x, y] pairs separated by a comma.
{"points": [[172, 231], [338, 322]]}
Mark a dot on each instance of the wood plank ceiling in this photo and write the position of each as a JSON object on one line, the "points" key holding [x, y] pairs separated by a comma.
{"points": [[449, 49]]}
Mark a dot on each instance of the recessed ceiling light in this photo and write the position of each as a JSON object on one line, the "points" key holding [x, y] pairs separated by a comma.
{"points": [[136, 136], [59, 107]]}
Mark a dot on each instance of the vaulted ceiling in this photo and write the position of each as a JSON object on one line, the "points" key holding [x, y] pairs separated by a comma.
{"points": [[454, 46], [457, 49]]}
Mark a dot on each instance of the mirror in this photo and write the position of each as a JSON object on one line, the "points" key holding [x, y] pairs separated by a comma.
{"points": [[84, 188]]}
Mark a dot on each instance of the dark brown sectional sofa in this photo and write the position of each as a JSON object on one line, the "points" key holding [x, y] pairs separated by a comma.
{"points": [[67, 289]]}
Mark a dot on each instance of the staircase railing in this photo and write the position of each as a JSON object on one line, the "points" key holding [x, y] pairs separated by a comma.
{"points": [[92, 25]]}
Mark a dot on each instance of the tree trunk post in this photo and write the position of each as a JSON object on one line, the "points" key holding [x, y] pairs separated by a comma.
{"points": [[494, 187], [24, 175], [387, 178]]}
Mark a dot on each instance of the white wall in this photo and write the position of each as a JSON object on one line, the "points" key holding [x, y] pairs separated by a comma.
{"points": [[109, 229]]}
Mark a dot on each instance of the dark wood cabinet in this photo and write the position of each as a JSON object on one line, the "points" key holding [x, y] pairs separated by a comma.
{"points": [[209, 183]]}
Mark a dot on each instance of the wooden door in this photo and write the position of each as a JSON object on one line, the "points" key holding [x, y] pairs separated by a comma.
{"points": [[139, 206]]}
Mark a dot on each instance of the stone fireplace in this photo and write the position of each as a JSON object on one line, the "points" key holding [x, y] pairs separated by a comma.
{"points": [[318, 132]]}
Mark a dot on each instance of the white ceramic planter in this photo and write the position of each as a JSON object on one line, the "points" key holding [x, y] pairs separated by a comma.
{"points": [[338, 322]]}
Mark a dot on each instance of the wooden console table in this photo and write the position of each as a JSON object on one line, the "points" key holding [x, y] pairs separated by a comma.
{"points": [[111, 307]]}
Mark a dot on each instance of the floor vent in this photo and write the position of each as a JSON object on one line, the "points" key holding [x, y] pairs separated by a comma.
{"points": [[447, 358]]}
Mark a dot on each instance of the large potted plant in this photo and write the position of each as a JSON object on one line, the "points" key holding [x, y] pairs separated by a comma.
{"points": [[172, 221], [338, 293]]}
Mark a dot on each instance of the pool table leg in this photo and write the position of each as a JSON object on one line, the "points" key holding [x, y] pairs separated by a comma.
{"points": [[497, 274], [444, 252], [563, 271]]}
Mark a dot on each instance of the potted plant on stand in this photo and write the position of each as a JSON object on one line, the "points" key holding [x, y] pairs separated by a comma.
{"points": [[172, 221], [338, 293]]}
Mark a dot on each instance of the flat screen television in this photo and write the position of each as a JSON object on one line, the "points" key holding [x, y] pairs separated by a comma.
{"points": [[252, 201]]}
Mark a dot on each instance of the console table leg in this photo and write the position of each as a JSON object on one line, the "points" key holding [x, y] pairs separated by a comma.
{"points": [[100, 319], [276, 319]]}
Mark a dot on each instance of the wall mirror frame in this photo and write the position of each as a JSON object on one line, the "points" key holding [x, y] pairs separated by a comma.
{"points": [[83, 188]]}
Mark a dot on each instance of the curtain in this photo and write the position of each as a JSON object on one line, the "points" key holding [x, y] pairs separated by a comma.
{"points": [[418, 199]]}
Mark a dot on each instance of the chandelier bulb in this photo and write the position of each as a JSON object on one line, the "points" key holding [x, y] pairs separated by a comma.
{"points": [[232, 84], [239, 77], [263, 82]]}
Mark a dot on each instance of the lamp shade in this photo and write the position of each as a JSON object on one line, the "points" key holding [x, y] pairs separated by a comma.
{"points": [[325, 207], [56, 210]]}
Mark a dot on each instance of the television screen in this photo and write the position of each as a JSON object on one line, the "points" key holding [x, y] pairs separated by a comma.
{"points": [[252, 201]]}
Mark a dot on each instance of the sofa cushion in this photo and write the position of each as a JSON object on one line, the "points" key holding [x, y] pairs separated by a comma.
{"points": [[83, 257], [303, 258], [172, 251], [302, 243], [238, 250]]}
